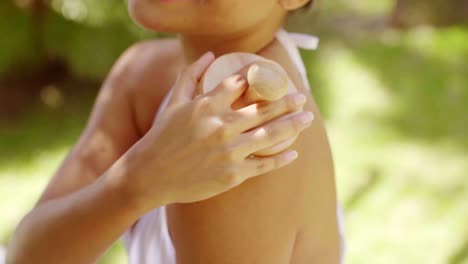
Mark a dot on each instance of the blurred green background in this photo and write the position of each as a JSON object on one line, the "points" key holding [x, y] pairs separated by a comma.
{"points": [[391, 78]]}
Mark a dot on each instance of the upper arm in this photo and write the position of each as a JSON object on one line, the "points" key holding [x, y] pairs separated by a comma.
{"points": [[114, 125], [255, 222], [285, 215]]}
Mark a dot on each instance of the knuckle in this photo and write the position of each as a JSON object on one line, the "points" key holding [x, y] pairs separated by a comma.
{"points": [[231, 179], [180, 75], [231, 117], [262, 165], [226, 179], [290, 102], [206, 105], [297, 125], [292, 123], [265, 109], [188, 73], [271, 132], [185, 71], [277, 161], [200, 102], [222, 134], [232, 176], [230, 155]]}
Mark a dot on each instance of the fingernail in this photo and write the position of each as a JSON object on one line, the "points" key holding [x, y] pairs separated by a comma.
{"points": [[206, 57], [306, 118], [243, 83], [299, 99], [291, 155], [239, 79]]}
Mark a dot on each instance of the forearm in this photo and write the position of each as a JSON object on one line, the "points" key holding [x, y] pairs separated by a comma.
{"points": [[76, 228]]}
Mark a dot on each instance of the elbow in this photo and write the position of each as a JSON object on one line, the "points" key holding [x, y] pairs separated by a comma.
{"points": [[14, 255], [12, 258], [17, 250]]}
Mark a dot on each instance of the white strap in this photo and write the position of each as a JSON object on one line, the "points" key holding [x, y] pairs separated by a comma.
{"points": [[290, 42], [304, 41]]}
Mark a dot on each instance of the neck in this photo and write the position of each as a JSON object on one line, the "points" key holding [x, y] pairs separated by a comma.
{"points": [[250, 41]]}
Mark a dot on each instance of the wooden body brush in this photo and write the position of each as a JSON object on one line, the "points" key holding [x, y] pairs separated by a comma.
{"points": [[267, 80]]}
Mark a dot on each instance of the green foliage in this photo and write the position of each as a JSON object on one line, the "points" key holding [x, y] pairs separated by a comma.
{"points": [[94, 13], [425, 72], [395, 103], [434, 12], [88, 51], [87, 35], [16, 37]]}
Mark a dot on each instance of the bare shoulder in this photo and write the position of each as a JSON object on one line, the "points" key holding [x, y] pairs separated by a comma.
{"points": [[145, 62], [286, 216], [147, 71], [318, 238]]}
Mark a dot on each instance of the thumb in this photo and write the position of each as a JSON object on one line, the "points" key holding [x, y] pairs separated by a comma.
{"points": [[187, 81]]}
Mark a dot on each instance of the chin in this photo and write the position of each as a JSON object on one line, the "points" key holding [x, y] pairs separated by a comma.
{"points": [[141, 13], [180, 18]]}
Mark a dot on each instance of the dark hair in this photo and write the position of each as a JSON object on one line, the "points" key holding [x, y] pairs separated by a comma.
{"points": [[307, 6]]}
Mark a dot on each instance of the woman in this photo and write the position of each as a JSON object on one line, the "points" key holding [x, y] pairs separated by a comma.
{"points": [[288, 217], [114, 174]]}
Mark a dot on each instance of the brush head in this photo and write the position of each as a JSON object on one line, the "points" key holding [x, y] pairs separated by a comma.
{"points": [[267, 80]]}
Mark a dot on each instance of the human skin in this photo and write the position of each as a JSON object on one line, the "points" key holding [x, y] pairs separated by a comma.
{"points": [[117, 171], [287, 217]]}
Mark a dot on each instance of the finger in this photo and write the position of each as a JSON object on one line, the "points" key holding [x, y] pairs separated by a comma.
{"points": [[272, 133], [255, 166], [228, 91], [257, 114], [188, 80]]}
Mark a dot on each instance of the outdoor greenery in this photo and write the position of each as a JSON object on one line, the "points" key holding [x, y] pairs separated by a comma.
{"points": [[394, 93]]}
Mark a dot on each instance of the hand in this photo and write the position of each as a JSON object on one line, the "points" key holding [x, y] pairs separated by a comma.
{"points": [[198, 148]]}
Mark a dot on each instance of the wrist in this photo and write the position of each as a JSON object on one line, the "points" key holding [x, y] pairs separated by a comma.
{"points": [[118, 188], [137, 195]]}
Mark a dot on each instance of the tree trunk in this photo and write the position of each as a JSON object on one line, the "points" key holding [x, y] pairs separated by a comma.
{"points": [[39, 11], [408, 13]]}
